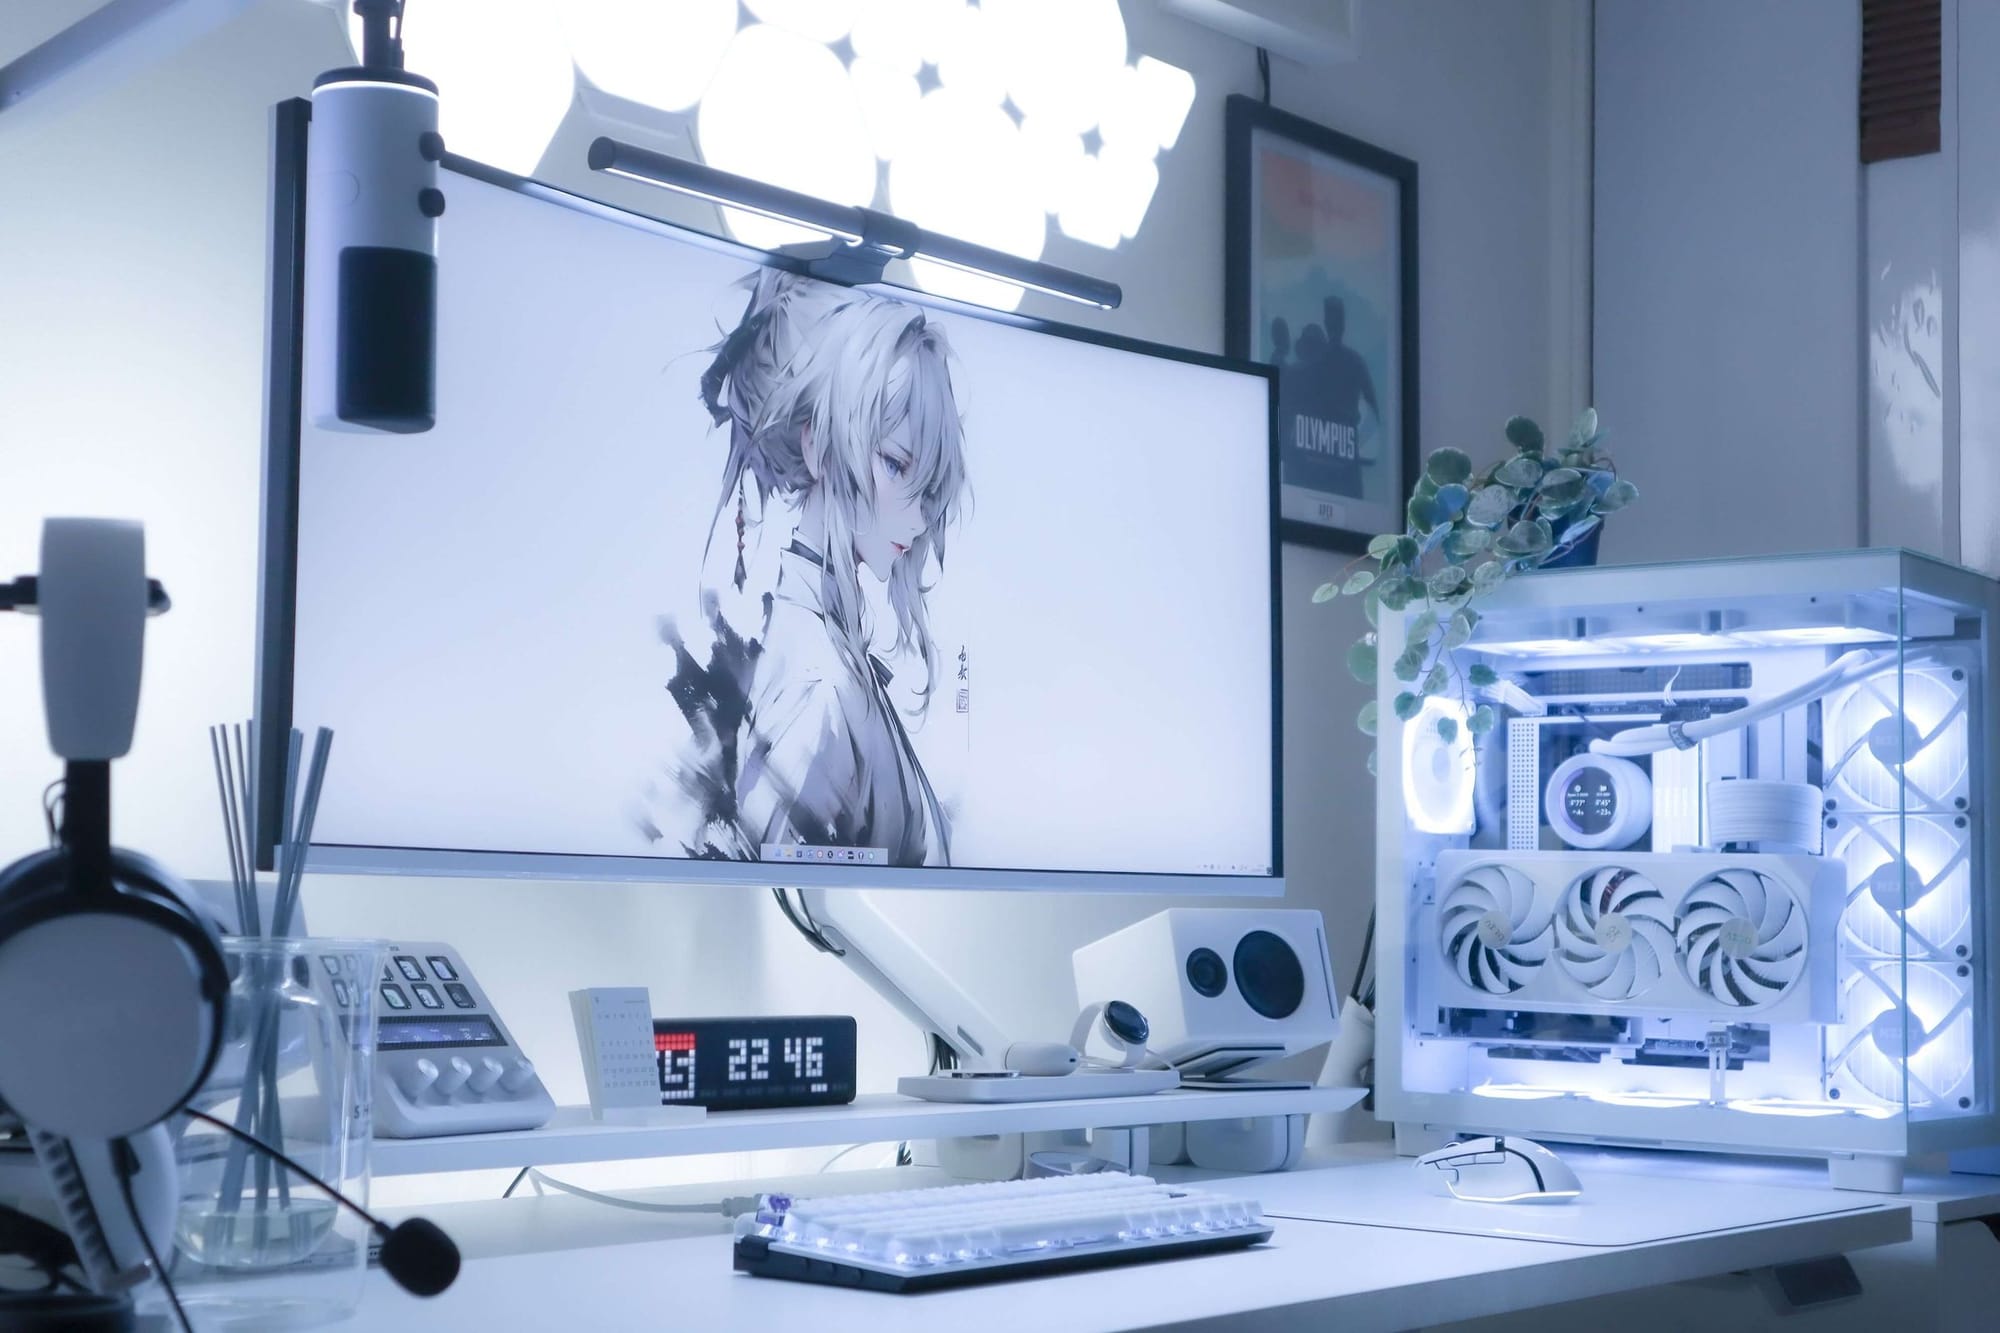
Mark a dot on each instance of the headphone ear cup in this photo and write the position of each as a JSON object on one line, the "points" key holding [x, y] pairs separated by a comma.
{"points": [[111, 1006]]}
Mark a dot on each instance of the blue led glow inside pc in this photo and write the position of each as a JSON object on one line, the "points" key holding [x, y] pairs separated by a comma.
{"points": [[1717, 874]]}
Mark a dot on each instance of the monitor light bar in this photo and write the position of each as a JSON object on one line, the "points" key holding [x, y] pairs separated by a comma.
{"points": [[870, 238]]}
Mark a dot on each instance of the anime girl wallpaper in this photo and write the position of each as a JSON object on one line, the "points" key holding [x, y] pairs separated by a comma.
{"points": [[843, 473]]}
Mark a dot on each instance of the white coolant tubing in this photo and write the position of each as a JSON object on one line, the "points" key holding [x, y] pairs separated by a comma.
{"points": [[1846, 670]]}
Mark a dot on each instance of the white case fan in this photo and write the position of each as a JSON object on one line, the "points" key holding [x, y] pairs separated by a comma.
{"points": [[1493, 930], [1887, 754], [1736, 937], [1925, 1032], [1616, 932]]}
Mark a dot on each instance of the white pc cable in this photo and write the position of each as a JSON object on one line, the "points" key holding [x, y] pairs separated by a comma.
{"points": [[1752, 810], [1846, 670]]}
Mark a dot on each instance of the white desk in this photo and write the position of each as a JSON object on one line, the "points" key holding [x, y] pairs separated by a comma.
{"points": [[1352, 1275]]}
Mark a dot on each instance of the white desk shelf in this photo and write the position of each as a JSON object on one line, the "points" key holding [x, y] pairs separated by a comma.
{"points": [[572, 1136]]}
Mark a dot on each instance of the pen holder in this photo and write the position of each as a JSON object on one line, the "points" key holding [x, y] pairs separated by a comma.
{"points": [[257, 1245]]}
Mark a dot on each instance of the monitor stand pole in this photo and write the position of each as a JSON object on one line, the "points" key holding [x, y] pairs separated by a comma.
{"points": [[907, 977]]}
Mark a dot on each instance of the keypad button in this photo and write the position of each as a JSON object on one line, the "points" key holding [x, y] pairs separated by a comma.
{"points": [[460, 996], [427, 995], [392, 995], [411, 969], [340, 995], [441, 966], [331, 962]]}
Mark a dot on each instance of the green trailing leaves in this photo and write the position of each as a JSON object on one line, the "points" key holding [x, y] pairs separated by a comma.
{"points": [[1521, 473], [1424, 513], [1525, 540], [1467, 531], [1447, 581], [1361, 661], [1449, 467], [1398, 593], [1524, 435], [1372, 772], [1584, 433], [1490, 506], [1463, 543], [1561, 485], [1410, 663], [1616, 497]]}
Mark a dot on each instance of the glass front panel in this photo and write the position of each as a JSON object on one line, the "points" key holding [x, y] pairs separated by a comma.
{"points": [[1711, 862]]}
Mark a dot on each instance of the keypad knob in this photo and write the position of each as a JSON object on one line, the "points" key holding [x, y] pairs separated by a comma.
{"points": [[420, 1075], [454, 1075]]}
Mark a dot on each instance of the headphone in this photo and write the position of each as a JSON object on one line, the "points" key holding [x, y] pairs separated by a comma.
{"points": [[113, 993], [1122, 1027]]}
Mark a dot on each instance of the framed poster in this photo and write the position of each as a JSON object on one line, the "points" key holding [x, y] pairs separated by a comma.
{"points": [[1321, 281]]}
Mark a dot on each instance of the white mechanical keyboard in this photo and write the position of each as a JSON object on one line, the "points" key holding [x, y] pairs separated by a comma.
{"points": [[917, 1240]]}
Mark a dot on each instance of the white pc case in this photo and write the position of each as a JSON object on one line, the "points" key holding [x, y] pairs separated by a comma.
{"points": [[1710, 871]]}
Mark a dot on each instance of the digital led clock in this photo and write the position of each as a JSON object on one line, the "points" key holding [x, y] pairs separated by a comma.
{"points": [[735, 1064]]}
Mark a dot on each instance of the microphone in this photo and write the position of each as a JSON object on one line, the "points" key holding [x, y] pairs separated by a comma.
{"points": [[416, 1252], [372, 203]]}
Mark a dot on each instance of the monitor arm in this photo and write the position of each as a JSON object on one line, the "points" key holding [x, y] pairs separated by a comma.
{"points": [[903, 974]]}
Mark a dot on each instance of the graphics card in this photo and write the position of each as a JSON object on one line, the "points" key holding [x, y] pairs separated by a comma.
{"points": [[1733, 937]]}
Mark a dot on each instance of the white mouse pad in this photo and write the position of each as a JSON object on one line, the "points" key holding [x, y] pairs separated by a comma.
{"points": [[1616, 1209]]}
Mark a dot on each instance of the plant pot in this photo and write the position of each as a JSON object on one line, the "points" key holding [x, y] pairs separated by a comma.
{"points": [[1581, 553]]}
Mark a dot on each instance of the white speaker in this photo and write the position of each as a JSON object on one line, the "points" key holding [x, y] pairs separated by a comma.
{"points": [[1224, 989]]}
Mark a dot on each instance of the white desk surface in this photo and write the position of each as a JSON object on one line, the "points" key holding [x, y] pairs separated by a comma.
{"points": [[1377, 1274]]}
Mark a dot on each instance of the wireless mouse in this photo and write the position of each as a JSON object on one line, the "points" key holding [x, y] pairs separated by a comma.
{"points": [[1498, 1170]]}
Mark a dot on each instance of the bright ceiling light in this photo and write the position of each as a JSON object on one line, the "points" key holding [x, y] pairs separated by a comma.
{"points": [[816, 20], [503, 85], [888, 100], [1061, 57], [1149, 102], [966, 172], [1112, 193], [659, 55], [969, 59], [781, 109], [1059, 163], [895, 33]]}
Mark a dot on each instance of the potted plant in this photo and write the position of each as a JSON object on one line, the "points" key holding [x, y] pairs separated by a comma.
{"points": [[1467, 533]]}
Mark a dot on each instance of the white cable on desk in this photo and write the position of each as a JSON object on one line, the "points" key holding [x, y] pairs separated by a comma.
{"points": [[1846, 670], [729, 1207]]}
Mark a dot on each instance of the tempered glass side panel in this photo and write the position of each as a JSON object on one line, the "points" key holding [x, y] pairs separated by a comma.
{"points": [[1710, 871]]}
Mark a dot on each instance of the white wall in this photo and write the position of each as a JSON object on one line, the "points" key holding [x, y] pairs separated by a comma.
{"points": [[1728, 351], [132, 244]]}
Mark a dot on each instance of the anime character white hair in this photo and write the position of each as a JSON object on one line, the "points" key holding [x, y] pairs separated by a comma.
{"points": [[841, 415]]}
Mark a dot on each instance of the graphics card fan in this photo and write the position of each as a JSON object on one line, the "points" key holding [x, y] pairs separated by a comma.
{"points": [[1742, 938], [1492, 933], [1613, 932]]}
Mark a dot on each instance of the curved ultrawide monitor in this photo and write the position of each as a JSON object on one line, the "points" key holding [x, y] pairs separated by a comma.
{"points": [[711, 571]]}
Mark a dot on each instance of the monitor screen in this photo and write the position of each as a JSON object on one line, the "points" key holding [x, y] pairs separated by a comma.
{"points": [[710, 570]]}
